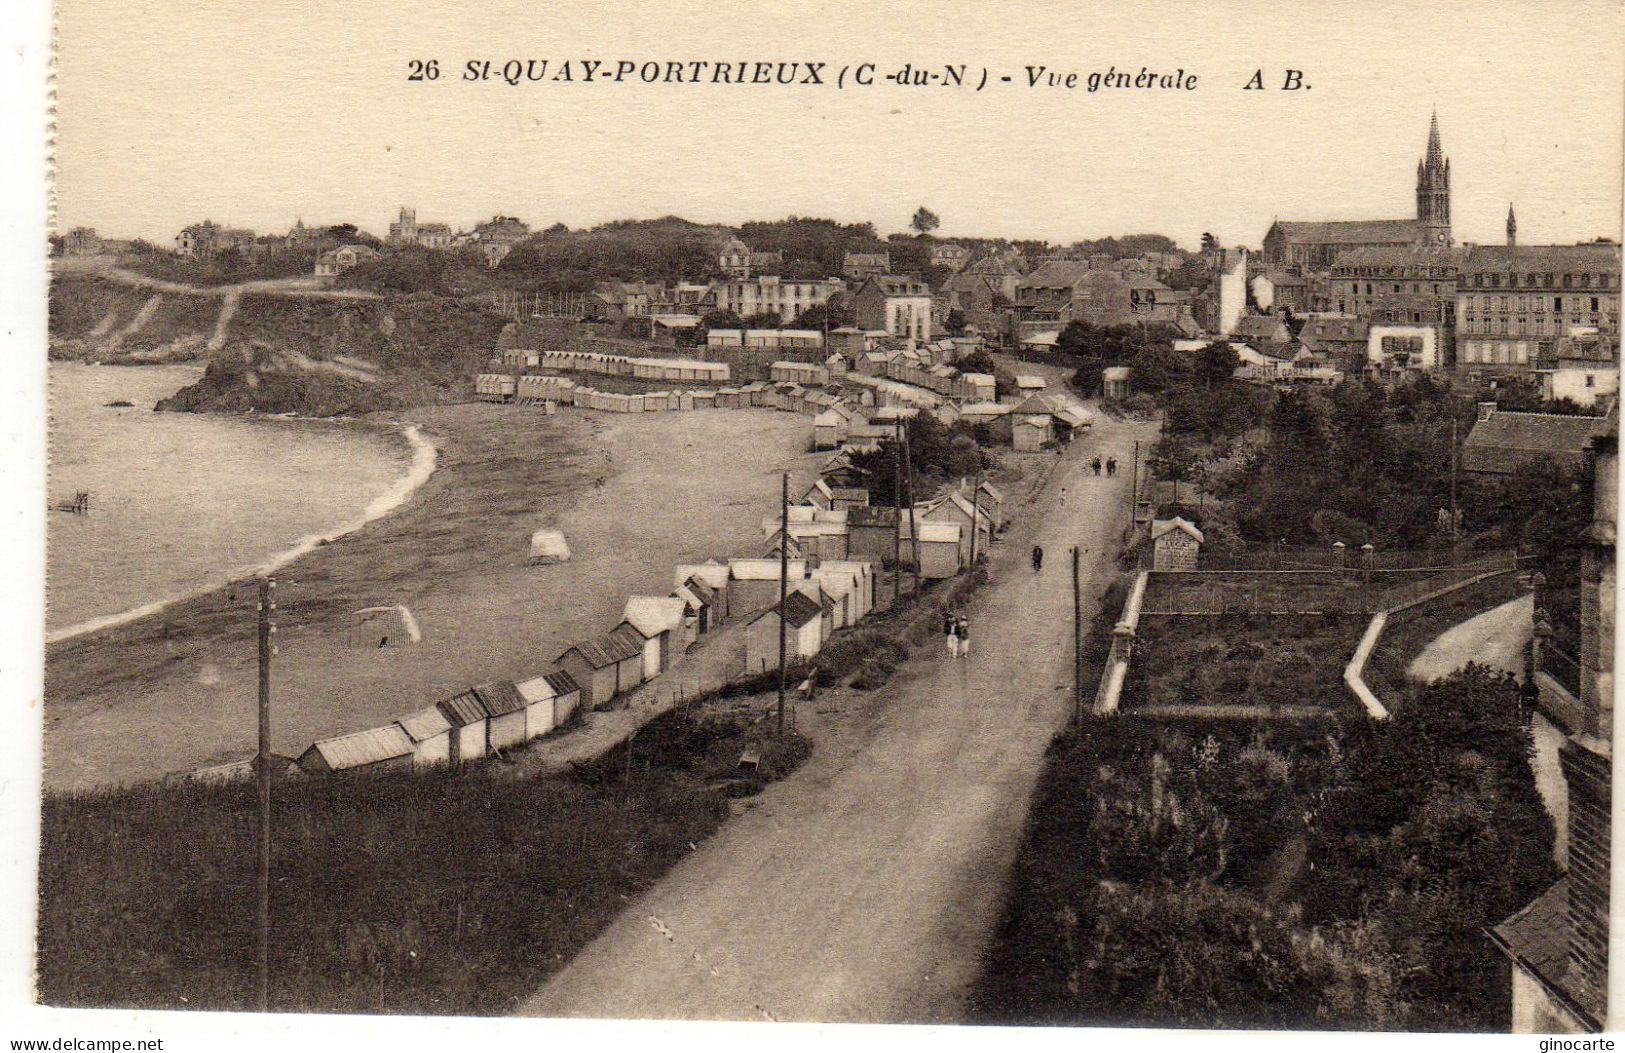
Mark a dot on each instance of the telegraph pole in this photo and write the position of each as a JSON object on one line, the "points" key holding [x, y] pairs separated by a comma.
{"points": [[1134, 491], [897, 507], [784, 581], [913, 526], [262, 766], [1077, 641], [1453, 514], [975, 513]]}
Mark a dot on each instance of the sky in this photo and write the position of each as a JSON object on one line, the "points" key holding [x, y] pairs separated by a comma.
{"points": [[257, 112]]}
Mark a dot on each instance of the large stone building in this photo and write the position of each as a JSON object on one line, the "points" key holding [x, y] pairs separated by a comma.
{"points": [[1513, 302], [785, 297], [406, 230], [1558, 944], [1316, 246], [900, 306]]}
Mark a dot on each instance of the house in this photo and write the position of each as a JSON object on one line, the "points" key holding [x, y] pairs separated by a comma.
{"points": [[1586, 371], [659, 621], [1559, 944], [1114, 382], [470, 738], [947, 254], [1029, 384], [804, 636], [939, 547], [430, 733], [901, 306], [377, 749], [860, 266], [1501, 442], [550, 700], [870, 531], [1261, 331], [1175, 544], [1032, 424], [505, 712], [604, 667], [1399, 347], [334, 262], [754, 583]]}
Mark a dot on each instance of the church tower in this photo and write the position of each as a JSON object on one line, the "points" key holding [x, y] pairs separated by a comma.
{"points": [[1433, 191]]}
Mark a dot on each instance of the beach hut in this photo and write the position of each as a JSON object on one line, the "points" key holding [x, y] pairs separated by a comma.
{"points": [[494, 387], [549, 700], [391, 626], [754, 583], [940, 547], [956, 508], [596, 665], [467, 717], [659, 620], [869, 533], [803, 619], [430, 733], [818, 495], [505, 712], [697, 599], [841, 588], [628, 643], [714, 576], [991, 500], [862, 572], [548, 547], [376, 749]]}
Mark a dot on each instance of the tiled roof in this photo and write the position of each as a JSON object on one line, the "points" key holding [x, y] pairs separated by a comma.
{"points": [[1558, 258], [653, 615], [1537, 940], [1403, 256], [1351, 232], [1507, 440]]}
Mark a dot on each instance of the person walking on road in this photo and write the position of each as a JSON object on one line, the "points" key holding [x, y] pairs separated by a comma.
{"points": [[950, 632], [1095, 464], [963, 628], [1038, 559], [1111, 466]]}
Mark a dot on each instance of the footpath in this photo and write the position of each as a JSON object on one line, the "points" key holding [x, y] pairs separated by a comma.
{"points": [[864, 887]]}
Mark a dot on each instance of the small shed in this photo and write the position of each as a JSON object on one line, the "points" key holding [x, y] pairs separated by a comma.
{"points": [[597, 666], [696, 597], [548, 547], [628, 644], [505, 710], [1114, 381], [754, 583], [467, 717], [1030, 383], [991, 500], [939, 547], [863, 579], [373, 750], [1175, 544], [659, 620], [387, 626], [430, 733], [803, 637]]}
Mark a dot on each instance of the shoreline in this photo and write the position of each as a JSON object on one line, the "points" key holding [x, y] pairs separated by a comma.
{"points": [[425, 456]]}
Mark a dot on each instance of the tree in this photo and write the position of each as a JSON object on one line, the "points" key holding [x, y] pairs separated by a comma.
{"points": [[1216, 362], [831, 315], [924, 221], [1210, 244], [954, 322]]}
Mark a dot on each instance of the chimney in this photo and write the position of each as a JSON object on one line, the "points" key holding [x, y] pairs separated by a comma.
{"points": [[1486, 410]]}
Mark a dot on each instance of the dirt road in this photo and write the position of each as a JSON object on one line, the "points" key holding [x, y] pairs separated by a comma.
{"points": [[864, 887]]}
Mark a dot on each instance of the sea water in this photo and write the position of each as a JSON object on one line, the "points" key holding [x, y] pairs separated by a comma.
{"points": [[179, 500]]}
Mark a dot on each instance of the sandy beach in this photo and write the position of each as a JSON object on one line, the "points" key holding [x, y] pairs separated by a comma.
{"points": [[634, 495]]}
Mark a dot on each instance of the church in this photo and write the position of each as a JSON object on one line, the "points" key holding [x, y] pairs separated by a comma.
{"points": [[1309, 247]]}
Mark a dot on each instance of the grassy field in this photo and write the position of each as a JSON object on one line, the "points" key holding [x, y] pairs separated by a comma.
{"points": [[1408, 632], [634, 495], [445, 892]]}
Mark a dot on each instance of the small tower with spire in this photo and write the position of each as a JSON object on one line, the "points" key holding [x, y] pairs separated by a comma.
{"points": [[1512, 227], [1433, 190]]}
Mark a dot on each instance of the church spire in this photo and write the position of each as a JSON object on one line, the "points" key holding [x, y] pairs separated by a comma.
{"points": [[1512, 226], [1435, 152], [1433, 190]]}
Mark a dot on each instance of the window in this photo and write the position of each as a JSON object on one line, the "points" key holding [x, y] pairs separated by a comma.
{"points": [[1591, 380], [1585, 281]]}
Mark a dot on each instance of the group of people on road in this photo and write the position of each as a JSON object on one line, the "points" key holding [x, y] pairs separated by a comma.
{"points": [[1111, 465], [956, 629]]}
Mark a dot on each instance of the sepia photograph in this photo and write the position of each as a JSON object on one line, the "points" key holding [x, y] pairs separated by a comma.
{"points": [[1026, 515]]}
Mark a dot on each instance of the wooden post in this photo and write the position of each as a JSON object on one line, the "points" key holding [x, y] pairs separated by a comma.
{"points": [[784, 581], [975, 513], [262, 765], [913, 526], [897, 507], [1134, 491], [1077, 641]]}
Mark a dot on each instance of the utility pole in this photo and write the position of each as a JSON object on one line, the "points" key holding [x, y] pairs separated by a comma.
{"points": [[784, 581], [897, 507], [975, 514], [1134, 490], [1077, 641], [1454, 520], [262, 766], [913, 527]]}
